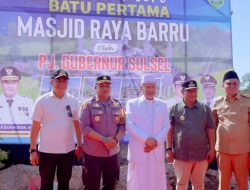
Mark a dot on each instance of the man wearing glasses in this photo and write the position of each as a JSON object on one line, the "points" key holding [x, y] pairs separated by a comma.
{"points": [[55, 117], [102, 120]]}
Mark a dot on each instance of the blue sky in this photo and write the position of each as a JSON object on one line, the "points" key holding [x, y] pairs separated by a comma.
{"points": [[241, 36]]}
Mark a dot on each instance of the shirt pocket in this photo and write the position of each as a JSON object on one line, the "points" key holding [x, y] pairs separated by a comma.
{"points": [[96, 116]]}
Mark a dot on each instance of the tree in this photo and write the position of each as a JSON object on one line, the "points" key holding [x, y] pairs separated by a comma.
{"points": [[3, 156], [246, 81], [245, 84]]}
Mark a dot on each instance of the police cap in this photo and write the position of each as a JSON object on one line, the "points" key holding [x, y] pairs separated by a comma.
{"points": [[103, 79], [208, 80], [60, 73], [179, 78], [230, 75], [189, 84], [10, 73]]}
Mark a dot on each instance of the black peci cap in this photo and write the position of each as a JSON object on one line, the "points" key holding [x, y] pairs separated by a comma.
{"points": [[230, 75]]}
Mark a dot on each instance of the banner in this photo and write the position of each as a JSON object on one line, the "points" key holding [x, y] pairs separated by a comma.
{"points": [[174, 40]]}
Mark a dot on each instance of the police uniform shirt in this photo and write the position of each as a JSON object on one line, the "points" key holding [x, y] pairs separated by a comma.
{"points": [[106, 118], [233, 132], [56, 116], [17, 110]]}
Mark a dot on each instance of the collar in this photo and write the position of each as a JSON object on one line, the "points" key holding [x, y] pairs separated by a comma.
{"points": [[109, 101], [52, 94], [237, 97], [98, 100], [145, 99]]}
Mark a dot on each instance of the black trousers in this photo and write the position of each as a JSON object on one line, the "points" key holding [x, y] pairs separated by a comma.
{"points": [[61, 164], [97, 167]]}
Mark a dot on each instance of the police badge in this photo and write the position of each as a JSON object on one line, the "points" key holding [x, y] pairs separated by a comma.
{"points": [[182, 118], [116, 118], [97, 118]]}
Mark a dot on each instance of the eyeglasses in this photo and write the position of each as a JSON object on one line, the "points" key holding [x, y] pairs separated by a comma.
{"points": [[69, 111]]}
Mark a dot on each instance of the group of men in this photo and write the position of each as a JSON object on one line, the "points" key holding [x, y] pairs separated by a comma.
{"points": [[188, 130]]}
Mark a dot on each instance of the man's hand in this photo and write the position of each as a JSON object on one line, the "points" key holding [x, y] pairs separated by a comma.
{"points": [[170, 156], [78, 152], [109, 142], [150, 144], [147, 149], [210, 155], [34, 159]]}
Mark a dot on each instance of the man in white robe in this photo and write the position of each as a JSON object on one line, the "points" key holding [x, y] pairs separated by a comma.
{"points": [[147, 124]]}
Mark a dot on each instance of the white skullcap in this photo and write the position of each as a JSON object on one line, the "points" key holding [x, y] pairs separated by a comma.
{"points": [[148, 79]]}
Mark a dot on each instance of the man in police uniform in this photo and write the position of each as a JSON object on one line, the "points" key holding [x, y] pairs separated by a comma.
{"points": [[102, 120], [208, 83], [178, 80], [14, 109]]}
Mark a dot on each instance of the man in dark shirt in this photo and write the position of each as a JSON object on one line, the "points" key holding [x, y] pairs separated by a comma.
{"points": [[190, 140]]}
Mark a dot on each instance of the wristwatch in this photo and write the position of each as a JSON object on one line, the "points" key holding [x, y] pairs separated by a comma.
{"points": [[32, 150], [167, 149]]}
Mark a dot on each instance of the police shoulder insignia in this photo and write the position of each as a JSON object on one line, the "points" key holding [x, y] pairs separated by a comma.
{"points": [[84, 105], [116, 103], [115, 100], [94, 103]]}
